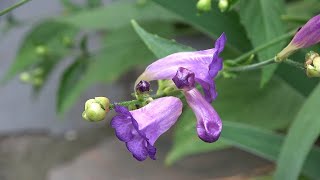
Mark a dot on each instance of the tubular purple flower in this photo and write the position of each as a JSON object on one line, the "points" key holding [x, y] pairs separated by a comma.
{"points": [[140, 128], [209, 124], [205, 64], [305, 37]]}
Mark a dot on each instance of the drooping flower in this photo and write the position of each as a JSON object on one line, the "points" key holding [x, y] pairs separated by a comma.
{"points": [[140, 128], [209, 124], [205, 64], [307, 36]]}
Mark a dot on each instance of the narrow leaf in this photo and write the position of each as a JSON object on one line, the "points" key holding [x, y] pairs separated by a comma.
{"points": [[300, 139], [262, 21]]}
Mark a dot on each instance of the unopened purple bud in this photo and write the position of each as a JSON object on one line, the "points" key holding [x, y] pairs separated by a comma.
{"points": [[184, 79], [143, 86], [306, 36]]}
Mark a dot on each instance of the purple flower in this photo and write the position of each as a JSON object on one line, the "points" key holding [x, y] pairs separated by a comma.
{"points": [[209, 124], [205, 64], [140, 128], [307, 36]]}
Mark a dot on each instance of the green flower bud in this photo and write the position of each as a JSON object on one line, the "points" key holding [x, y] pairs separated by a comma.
{"points": [[223, 5], [41, 50], [67, 41], [312, 64], [96, 109], [38, 71], [25, 77], [103, 101], [38, 81], [204, 5]]}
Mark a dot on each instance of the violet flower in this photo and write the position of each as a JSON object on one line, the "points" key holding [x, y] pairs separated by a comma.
{"points": [[205, 64], [140, 128], [307, 36], [209, 124]]}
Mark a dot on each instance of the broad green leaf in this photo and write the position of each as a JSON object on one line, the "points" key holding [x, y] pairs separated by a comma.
{"points": [[300, 139], [71, 76], [212, 23], [159, 46], [262, 21], [118, 14], [48, 34], [122, 50], [243, 101], [258, 141]]}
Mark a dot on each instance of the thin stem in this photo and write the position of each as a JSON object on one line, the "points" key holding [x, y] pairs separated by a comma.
{"points": [[251, 66], [295, 64], [264, 46], [127, 103], [5, 11], [297, 19]]}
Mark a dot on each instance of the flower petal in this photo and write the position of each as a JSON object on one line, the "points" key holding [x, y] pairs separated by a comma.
{"points": [[137, 147], [209, 124], [123, 127], [157, 117], [309, 34]]}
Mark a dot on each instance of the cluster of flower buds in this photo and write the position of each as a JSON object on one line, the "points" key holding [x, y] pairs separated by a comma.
{"points": [[96, 109], [34, 77], [312, 64]]}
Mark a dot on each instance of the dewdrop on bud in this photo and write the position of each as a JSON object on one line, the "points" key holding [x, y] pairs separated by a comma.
{"points": [[204, 5], [96, 109]]}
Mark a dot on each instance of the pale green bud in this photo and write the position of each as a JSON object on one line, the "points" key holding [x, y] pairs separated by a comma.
{"points": [[38, 81], [96, 109], [223, 5], [95, 112], [204, 5], [41, 50], [25, 77], [312, 64]]}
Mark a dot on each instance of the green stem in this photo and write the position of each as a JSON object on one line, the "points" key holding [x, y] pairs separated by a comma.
{"points": [[297, 19], [264, 46], [251, 66], [5, 11], [128, 103], [295, 64]]}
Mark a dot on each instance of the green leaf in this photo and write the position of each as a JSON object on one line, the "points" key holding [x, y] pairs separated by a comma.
{"points": [[300, 139], [262, 20], [122, 50], [212, 23], [159, 46], [48, 34], [247, 104], [71, 76], [118, 14], [258, 141]]}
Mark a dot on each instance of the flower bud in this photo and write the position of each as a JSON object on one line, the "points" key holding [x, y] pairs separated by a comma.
{"points": [[41, 50], [312, 64], [67, 41], [204, 5], [96, 109], [37, 81], [143, 86], [223, 5], [25, 77]]}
